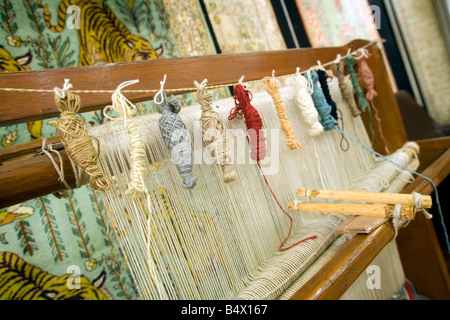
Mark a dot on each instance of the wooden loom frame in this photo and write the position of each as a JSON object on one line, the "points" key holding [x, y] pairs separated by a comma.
{"points": [[24, 174]]}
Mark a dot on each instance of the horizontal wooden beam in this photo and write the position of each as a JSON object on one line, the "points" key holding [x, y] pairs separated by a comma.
{"points": [[19, 107]]}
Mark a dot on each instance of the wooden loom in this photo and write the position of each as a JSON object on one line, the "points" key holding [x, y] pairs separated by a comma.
{"points": [[24, 174]]}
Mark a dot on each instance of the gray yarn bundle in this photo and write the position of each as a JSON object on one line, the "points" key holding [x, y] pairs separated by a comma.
{"points": [[177, 138]]}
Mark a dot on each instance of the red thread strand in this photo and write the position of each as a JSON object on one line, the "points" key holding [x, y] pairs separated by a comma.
{"points": [[255, 136], [291, 221]]}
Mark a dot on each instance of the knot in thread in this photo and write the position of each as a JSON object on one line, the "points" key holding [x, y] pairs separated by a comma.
{"points": [[78, 144], [321, 104], [213, 131], [418, 205], [397, 218], [306, 105], [362, 102], [272, 88], [176, 137], [345, 88], [253, 121]]}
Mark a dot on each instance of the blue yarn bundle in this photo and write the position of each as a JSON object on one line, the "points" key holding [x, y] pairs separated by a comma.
{"points": [[323, 107]]}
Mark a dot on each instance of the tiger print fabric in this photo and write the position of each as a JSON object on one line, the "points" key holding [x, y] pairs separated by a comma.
{"points": [[20, 280], [101, 36]]}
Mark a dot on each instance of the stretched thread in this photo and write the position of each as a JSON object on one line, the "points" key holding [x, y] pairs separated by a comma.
{"points": [[121, 105], [244, 110], [291, 221], [271, 86], [436, 194]]}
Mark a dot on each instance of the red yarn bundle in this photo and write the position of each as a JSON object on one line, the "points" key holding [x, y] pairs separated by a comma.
{"points": [[244, 109]]}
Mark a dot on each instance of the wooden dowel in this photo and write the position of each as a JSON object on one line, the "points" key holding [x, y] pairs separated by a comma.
{"points": [[363, 196], [372, 210]]}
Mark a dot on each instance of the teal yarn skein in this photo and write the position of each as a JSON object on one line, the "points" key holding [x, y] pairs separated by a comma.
{"points": [[320, 102], [362, 101]]}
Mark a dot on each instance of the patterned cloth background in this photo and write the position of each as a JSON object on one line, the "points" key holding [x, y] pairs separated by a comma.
{"points": [[426, 48], [242, 26], [59, 237], [337, 22]]}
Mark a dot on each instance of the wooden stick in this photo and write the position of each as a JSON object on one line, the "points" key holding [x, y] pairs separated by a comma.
{"points": [[372, 210], [373, 197]]}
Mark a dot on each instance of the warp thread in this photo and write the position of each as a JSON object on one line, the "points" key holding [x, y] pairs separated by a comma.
{"points": [[271, 86], [362, 102], [306, 104], [77, 143], [323, 80], [346, 88], [213, 131], [321, 104], [121, 105], [47, 149], [176, 137], [368, 78], [244, 110]]}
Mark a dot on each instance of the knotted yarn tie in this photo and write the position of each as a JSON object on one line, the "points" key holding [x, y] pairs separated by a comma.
{"points": [[213, 130], [302, 95], [62, 92], [272, 88], [126, 111], [418, 205], [74, 136], [321, 104], [397, 220], [362, 102], [244, 109]]}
